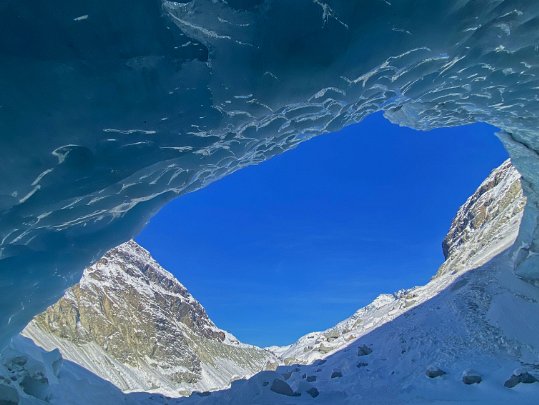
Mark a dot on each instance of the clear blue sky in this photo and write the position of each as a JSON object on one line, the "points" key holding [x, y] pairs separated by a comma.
{"points": [[300, 242]]}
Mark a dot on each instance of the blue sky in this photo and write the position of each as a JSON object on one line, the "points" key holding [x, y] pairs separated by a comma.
{"points": [[300, 242]]}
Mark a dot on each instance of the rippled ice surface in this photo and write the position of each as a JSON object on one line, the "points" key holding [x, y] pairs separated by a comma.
{"points": [[109, 109]]}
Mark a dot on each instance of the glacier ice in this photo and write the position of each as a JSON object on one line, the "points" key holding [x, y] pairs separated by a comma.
{"points": [[111, 108]]}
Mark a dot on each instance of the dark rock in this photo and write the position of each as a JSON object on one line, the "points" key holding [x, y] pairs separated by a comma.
{"points": [[313, 392], [362, 364], [470, 377], [364, 350], [513, 381], [336, 374], [281, 387], [524, 378], [311, 378], [287, 375], [527, 378], [433, 372]]}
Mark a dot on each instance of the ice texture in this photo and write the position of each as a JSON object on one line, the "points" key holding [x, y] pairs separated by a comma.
{"points": [[111, 108]]}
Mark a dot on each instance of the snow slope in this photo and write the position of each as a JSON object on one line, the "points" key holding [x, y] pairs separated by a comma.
{"points": [[132, 323], [486, 225]]}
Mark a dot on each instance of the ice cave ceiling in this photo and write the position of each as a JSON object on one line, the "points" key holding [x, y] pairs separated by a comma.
{"points": [[110, 108]]}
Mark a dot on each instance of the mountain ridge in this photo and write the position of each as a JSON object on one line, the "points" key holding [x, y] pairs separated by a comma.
{"points": [[484, 225]]}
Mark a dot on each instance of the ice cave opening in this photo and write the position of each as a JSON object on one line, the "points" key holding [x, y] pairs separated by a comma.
{"points": [[324, 227], [109, 109]]}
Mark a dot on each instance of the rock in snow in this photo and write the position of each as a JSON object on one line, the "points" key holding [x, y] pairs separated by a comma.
{"points": [[364, 350], [470, 377], [520, 376], [434, 372], [281, 387]]}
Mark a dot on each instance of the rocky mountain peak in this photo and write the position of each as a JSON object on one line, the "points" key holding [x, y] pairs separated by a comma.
{"points": [[142, 329], [495, 206]]}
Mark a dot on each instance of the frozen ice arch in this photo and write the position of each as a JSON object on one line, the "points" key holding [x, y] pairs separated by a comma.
{"points": [[111, 108]]}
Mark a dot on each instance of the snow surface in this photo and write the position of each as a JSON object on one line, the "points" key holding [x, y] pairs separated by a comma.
{"points": [[105, 119]]}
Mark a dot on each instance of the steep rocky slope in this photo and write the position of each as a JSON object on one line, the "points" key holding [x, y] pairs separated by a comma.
{"points": [[132, 323], [485, 225]]}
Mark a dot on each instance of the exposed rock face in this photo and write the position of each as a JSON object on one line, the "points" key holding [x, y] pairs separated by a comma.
{"points": [[133, 323], [482, 221]]}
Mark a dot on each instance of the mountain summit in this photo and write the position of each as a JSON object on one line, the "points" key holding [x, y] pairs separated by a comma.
{"points": [[134, 324]]}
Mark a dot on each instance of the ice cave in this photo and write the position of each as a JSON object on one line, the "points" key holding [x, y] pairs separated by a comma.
{"points": [[109, 109]]}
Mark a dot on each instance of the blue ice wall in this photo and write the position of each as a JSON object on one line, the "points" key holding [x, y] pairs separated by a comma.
{"points": [[110, 108]]}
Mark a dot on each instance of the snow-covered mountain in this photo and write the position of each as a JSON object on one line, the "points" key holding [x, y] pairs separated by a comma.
{"points": [[484, 226], [486, 222], [468, 336], [132, 323]]}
